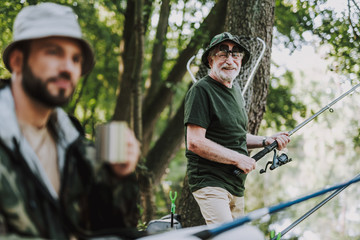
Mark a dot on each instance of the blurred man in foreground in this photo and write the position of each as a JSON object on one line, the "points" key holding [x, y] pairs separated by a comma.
{"points": [[50, 184]]}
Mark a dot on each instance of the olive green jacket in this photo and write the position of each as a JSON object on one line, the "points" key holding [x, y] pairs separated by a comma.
{"points": [[92, 201]]}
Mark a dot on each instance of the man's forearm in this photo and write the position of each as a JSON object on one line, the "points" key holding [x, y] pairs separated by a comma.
{"points": [[208, 149], [215, 152]]}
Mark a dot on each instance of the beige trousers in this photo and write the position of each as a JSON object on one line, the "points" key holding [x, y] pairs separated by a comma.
{"points": [[217, 205]]}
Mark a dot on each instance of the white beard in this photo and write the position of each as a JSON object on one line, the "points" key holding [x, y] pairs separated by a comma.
{"points": [[224, 75]]}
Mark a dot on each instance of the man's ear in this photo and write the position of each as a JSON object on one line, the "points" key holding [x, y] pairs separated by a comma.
{"points": [[16, 60], [210, 61]]}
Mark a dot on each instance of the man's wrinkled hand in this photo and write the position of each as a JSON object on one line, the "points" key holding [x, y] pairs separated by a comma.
{"points": [[282, 139], [246, 164]]}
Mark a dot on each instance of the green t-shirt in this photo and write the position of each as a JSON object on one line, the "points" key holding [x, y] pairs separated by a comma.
{"points": [[220, 110]]}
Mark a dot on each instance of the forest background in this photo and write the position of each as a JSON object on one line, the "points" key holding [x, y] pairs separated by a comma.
{"points": [[312, 56]]}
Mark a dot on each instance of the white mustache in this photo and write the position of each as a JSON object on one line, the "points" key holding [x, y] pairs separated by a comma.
{"points": [[225, 65]]}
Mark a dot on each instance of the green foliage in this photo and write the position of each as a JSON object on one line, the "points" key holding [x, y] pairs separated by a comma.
{"points": [[296, 19], [356, 139], [172, 181], [282, 105], [341, 31], [94, 101], [8, 12]]}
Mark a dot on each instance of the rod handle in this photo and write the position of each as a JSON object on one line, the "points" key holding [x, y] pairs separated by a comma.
{"points": [[265, 151]]}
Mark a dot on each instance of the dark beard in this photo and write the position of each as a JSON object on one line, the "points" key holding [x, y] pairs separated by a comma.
{"points": [[37, 89]]}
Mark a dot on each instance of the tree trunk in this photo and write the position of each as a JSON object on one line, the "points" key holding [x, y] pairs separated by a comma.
{"points": [[168, 144], [158, 56], [158, 52], [127, 65], [188, 208], [136, 76], [210, 26], [128, 61], [129, 103], [254, 18]]}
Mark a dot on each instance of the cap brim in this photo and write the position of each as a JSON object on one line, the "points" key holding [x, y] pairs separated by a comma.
{"points": [[6, 54], [205, 55], [89, 57]]}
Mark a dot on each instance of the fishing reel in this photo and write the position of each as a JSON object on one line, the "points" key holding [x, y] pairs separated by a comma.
{"points": [[276, 162]]}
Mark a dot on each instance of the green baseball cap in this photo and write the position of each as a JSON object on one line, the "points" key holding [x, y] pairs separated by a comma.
{"points": [[225, 36], [48, 20]]}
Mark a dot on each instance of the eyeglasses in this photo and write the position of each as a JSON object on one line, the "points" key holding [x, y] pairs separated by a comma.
{"points": [[224, 52]]}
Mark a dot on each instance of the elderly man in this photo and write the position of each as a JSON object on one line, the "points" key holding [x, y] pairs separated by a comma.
{"points": [[50, 184], [216, 133]]}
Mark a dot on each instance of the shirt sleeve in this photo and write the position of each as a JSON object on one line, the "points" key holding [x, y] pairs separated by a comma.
{"points": [[197, 109]]}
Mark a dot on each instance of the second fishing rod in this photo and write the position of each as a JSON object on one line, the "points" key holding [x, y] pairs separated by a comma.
{"points": [[283, 158]]}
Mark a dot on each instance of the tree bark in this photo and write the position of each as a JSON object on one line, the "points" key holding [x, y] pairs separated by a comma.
{"points": [[136, 75], [188, 208], [157, 61], [254, 18], [158, 52], [128, 61], [166, 146], [127, 65]]}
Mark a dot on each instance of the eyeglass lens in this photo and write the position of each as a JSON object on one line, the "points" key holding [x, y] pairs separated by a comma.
{"points": [[236, 53]]}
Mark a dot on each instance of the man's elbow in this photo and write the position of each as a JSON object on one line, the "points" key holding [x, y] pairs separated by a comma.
{"points": [[192, 146]]}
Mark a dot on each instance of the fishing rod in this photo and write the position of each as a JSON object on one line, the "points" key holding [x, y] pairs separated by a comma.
{"points": [[283, 158], [311, 211], [259, 213]]}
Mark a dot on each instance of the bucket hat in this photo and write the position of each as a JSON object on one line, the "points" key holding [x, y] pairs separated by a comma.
{"points": [[225, 36], [48, 20]]}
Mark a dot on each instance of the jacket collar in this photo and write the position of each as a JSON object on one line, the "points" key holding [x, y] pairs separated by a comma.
{"points": [[10, 131]]}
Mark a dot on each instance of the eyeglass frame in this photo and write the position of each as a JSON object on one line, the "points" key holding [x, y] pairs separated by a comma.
{"points": [[227, 52]]}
